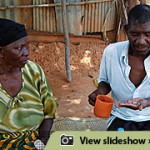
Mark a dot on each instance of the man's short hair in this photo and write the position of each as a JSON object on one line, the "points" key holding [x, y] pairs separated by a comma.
{"points": [[139, 14]]}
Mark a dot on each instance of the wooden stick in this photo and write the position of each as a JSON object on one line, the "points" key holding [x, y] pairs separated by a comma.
{"points": [[67, 42]]}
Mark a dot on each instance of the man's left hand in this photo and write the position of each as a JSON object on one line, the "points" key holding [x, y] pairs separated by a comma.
{"points": [[136, 103]]}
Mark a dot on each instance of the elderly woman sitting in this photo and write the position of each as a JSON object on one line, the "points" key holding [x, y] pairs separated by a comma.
{"points": [[27, 104]]}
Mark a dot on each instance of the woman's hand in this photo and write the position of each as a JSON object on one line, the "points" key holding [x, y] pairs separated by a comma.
{"points": [[136, 103]]}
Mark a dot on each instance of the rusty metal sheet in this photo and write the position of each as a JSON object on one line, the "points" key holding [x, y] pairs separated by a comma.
{"points": [[83, 18], [87, 18], [23, 15], [44, 18], [74, 15], [95, 14]]}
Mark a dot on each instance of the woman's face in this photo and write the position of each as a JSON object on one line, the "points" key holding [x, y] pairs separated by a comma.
{"points": [[16, 53]]}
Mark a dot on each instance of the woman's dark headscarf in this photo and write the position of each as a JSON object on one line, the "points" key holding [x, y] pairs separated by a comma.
{"points": [[10, 31]]}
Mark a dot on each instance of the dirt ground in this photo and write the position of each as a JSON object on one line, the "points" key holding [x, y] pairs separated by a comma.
{"points": [[85, 59]]}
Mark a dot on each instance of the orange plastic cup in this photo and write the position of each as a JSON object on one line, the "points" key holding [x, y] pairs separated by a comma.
{"points": [[103, 106]]}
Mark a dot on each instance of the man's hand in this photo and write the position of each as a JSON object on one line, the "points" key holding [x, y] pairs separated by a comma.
{"points": [[92, 97], [136, 103], [103, 89]]}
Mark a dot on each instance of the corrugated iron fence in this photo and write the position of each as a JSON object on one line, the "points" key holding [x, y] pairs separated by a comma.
{"points": [[83, 16]]}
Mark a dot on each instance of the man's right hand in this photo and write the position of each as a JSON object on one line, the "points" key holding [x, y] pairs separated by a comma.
{"points": [[92, 97], [103, 89]]}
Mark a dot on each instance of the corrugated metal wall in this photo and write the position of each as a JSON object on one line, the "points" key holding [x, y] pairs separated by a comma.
{"points": [[95, 15], [40, 15], [8, 13], [74, 15], [44, 18], [9, 9], [88, 18]]}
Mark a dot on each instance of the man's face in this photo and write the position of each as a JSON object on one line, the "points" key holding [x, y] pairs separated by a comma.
{"points": [[16, 53], [139, 37]]}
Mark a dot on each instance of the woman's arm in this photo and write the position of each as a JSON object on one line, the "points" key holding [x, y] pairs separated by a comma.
{"points": [[44, 130]]}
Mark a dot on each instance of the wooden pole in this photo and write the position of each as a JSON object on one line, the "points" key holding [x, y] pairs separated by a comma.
{"points": [[67, 42]]}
